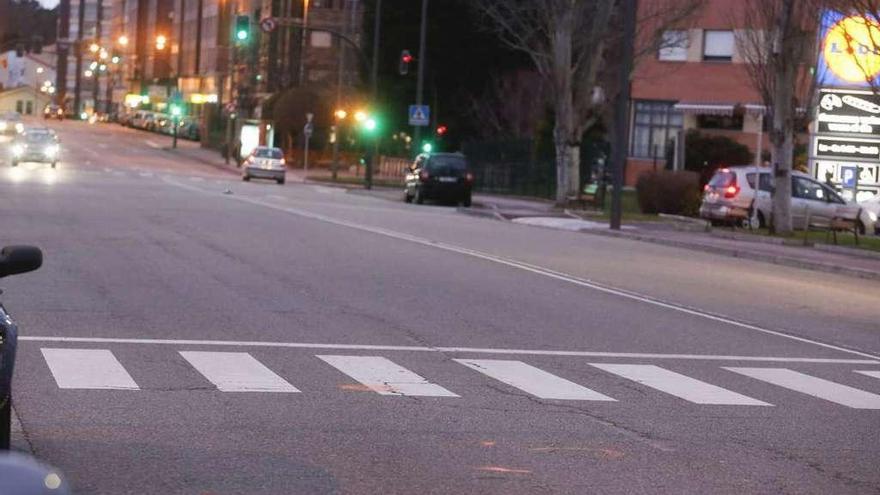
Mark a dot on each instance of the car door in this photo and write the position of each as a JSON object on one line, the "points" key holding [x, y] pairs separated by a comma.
{"points": [[813, 203]]}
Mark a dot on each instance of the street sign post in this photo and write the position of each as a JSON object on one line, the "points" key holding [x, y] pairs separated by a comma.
{"points": [[268, 24], [307, 132], [419, 115]]}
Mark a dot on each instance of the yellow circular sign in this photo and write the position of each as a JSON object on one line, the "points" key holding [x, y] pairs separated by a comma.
{"points": [[851, 49]]}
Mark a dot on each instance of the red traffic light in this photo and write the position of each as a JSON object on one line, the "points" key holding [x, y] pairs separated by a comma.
{"points": [[406, 58], [441, 130]]}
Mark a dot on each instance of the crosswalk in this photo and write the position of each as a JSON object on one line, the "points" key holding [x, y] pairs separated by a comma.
{"points": [[99, 369]]}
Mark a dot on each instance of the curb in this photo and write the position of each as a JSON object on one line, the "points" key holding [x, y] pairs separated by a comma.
{"points": [[854, 252], [224, 167], [732, 252]]}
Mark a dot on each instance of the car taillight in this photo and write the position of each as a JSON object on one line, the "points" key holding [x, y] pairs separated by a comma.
{"points": [[706, 188], [424, 175], [468, 177], [731, 191]]}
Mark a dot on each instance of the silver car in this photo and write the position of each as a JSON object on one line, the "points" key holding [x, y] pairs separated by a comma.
{"points": [[265, 163], [734, 196]]}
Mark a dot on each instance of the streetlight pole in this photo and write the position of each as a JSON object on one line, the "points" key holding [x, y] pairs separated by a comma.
{"points": [[377, 25], [422, 62], [621, 107]]}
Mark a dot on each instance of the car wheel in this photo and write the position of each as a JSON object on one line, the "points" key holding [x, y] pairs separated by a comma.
{"points": [[245, 178], [5, 424], [53, 164], [419, 197], [466, 202], [14, 163], [280, 181]]}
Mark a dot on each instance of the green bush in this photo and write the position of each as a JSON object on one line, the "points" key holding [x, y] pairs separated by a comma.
{"points": [[704, 153], [663, 191]]}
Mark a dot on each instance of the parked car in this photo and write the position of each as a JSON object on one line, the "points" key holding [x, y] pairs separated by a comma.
{"points": [[871, 214], [730, 197], [37, 144], [10, 124], [141, 119], [53, 111], [13, 260], [265, 163], [439, 176]]}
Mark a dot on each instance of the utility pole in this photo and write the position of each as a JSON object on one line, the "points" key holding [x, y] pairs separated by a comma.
{"points": [[63, 50], [78, 49], [304, 44], [377, 24], [422, 62], [621, 107]]}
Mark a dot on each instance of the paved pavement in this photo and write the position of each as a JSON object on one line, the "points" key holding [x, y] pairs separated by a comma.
{"points": [[191, 333]]}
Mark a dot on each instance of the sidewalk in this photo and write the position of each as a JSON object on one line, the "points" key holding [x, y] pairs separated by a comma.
{"points": [[688, 234]]}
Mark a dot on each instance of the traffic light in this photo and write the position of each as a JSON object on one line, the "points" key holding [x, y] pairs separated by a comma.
{"points": [[441, 130], [242, 28], [176, 111], [405, 59], [427, 147]]}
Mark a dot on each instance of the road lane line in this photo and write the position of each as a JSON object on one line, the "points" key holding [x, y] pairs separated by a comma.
{"points": [[532, 380], [811, 385], [385, 377], [87, 369], [151, 144], [529, 268], [480, 350], [682, 386], [874, 373], [236, 372]]}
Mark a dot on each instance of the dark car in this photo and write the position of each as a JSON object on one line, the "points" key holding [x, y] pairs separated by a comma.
{"points": [[53, 111], [441, 177], [13, 260]]}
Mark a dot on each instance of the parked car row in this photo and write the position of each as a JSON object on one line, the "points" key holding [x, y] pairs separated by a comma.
{"points": [[187, 128], [744, 195]]}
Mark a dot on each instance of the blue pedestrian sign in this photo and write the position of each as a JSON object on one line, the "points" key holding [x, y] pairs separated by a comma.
{"points": [[419, 115], [848, 176]]}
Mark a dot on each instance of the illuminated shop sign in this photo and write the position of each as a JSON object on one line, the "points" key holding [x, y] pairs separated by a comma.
{"points": [[849, 54], [848, 112], [843, 148], [835, 172]]}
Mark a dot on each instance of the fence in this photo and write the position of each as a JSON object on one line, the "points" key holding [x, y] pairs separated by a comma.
{"points": [[511, 167]]}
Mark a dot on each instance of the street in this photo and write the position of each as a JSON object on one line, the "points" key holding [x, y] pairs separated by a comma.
{"points": [[192, 333]]}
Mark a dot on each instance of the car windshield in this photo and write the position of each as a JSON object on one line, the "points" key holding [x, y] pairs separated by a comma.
{"points": [[447, 165], [267, 153], [37, 137]]}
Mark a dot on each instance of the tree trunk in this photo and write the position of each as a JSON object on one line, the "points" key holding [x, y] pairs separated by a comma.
{"points": [[564, 102], [562, 162], [574, 170], [782, 135]]}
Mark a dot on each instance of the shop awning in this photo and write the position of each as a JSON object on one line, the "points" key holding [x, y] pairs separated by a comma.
{"points": [[718, 108]]}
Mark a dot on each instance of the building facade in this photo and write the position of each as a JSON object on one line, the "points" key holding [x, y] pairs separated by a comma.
{"points": [[696, 80]]}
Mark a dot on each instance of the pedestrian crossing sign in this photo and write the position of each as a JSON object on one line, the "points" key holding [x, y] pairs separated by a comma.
{"points": [[419, 115]]}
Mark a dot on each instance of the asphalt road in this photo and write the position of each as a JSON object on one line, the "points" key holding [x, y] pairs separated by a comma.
{"points": [[190, 333]]}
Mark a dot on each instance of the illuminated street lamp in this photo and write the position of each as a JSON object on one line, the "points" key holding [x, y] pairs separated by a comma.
{"points": [[39, 70], [88, 73], [94, 48], [360, 116], [161, 41], [103, 55], [93, 65], [122, 40], [341, 114]]}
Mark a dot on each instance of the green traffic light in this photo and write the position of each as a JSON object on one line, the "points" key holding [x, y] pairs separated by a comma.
{"points": [[241, 35], [175, 111], [370, 124], [427, 147]]}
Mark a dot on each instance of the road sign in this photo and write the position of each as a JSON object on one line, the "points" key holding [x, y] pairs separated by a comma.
{"points": [[848, 176], [419, 115], [308, 129], [268, 24]]}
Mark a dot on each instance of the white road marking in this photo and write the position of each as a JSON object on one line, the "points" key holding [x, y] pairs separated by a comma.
{"points": [[480, 350], [152, 144], [197, 179], [87, 369], [532, 380], [385, 377], [236, 372], [530, 268], [874, 373], [145, 174], [811, 385], [685, 387]]}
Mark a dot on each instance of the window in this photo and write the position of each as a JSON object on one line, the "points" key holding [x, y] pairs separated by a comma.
{"points": [[718, 45], [321, 39], [807, 189], [446, 165], [674, 46], [268, 153], [29, 108], [19, 106], [727, 122], [765, 182], [655, 127]]}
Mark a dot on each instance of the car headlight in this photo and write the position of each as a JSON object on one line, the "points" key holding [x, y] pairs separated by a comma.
{"points": [[19, 127], [872, 216], [52, 150], [3, 126], [18, 150]]}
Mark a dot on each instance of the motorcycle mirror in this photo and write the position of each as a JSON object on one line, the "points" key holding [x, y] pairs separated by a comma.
{"points": [[19, 259]]}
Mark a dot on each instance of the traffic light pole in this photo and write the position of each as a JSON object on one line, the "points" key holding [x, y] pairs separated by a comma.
{"points": [[621, 107], [422, 62], [377, 24]]}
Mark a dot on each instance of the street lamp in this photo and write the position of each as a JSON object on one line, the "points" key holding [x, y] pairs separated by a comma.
{"points": [[88, 73], [161, 41], [341, 114], [94, 47], [360, 116], [122, 40]]}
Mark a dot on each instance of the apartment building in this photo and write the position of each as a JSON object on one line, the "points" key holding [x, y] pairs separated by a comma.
{"points": [[697, 80]]}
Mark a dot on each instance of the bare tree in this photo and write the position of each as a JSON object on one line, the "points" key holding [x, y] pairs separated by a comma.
{"points": [[567, 40], [778, 47], [511, 105]]}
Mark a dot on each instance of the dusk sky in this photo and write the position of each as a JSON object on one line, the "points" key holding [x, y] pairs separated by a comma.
{"points": [[49, 3]]}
